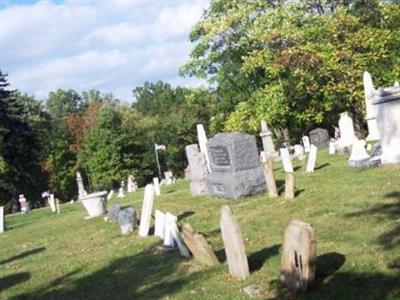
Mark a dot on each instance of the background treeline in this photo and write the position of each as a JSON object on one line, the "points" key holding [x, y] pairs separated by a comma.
{"points": [[296, 64]]}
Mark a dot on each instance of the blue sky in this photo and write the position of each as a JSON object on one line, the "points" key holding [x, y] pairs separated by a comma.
{"points": [[111, 46]]}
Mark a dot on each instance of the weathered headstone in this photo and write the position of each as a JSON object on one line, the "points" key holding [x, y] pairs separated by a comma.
{"points": [[159, 224], [110, 194], [197, 169], [235, 165], [147, 208], [233, 243], [319, 137], [199, 246], [202, 138], [81, 189], [289, 176], [359, 156], [126, 220], [23, 203], [156, 184], [347, 135], [2, 218], [369, 91], [168, 177], [299, 256], [269, 175], [113, 212], [299, 151], [312, 158], [266, 138], [131, 184], [178, 240], [58, 206], [332, 146], [170, 220], [286, 161], [306, 143], [52, 203]]}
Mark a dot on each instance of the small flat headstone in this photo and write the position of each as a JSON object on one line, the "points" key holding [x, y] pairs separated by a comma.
{"points": [[233, 243]]}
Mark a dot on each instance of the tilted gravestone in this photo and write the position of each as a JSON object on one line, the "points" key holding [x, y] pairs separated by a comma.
{"points": [[319, 137], [236, 169], [233, 243], [199, 246], [170, 220], [299, 256]]}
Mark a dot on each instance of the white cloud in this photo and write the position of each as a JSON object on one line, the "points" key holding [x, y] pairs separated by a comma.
{"points": [[108, 45]]}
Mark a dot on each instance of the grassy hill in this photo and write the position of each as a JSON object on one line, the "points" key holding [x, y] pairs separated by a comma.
{"points": [[355, 214]]}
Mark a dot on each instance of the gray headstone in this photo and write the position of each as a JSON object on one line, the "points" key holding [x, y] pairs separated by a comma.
{"points": [[319, 137], [126, 220], [113, 212], [198, 170], [236, 169]]}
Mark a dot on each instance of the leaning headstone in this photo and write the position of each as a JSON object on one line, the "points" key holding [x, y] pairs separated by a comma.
{"points": [[347, 135], [319, 137], [371, 110], [147, 208], [299, 256], [81, 189], [159, 223], [306, 143], [269, 175], [266, 138], [312, 158], [178, 240], [233, 243], [2, 219], [332, 146], [170, 220], [156, 184], [126, 220], [199, 246], [289, 176], [197, 170], [235, 165], [202, 138], [113, 212], [286, 161], [359, 156]]}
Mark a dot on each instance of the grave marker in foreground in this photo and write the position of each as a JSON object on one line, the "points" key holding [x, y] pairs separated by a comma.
{"points": [[147, 208]]}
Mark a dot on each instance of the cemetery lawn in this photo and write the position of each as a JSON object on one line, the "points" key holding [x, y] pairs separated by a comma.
{"points": [[355, 214]]}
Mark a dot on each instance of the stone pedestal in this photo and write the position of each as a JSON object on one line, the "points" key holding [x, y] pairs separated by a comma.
{"points": [[235, 165], [299, 256]]}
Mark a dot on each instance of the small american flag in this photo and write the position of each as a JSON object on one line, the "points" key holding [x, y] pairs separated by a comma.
{"points": [[159, 147]]}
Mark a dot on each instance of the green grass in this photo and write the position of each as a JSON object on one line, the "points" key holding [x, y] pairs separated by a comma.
{"points": [[355, 214]]}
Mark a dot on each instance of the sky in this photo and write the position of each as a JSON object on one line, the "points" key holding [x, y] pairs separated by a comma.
{"points": [[109, 45]]}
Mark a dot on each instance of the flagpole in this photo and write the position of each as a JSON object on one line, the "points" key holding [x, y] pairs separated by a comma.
{"points": [[158, 162]]}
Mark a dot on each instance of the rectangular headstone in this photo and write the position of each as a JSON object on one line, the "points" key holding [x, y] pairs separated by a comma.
{"points": [[159, 227], [52, 203], [110, 194], [332, 146], [2, 219], [199, 246], [233, 243], [202, 138], [156, 183], [197, 169], [286, 161], [312, 158], [178, 240], [147, 208], [58, 206], [170, 220]]}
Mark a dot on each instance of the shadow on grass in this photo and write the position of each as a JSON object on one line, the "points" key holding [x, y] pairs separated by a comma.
{"points": [[385, 211], [13, 279], [322, 166], [221, 255], [144, 275], [298, 192], [257, 259], [185, 214], [22, 255], [327, 264]]}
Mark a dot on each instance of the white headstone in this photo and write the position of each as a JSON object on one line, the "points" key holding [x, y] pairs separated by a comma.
{"points": [[147, 208], [299, 151], [170, 220], [131, 184], [178, 240], [266, 138], [359, 156], [201, 136], [347, 135], [306, 143], [52, 203], [312, 158], [369, 90], [58, 206], [81, 188], [159, 227], [110, 194], [23, 203], [2, 219], [287, 162], [332, 146], [156, 183], [168, 177], [121, 193]]}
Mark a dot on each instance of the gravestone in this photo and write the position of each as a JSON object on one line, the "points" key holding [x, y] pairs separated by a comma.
{"points": [[110, 194], [131, 184], [159, 224], [147, 208], [312, 158], [168, 177], [170, 220], [369, 91], [197, 170], [269, 175], [113, 212], [306, 143], [359, 156], [199, 246], [178, 240], [202, 139], [298, 256], [126, 220], [81, 189], [319, 137], [266, 138], [299, 151], [233, 243], [286, 161], [156, 184], [58, 206], [23, 203], [2, 218], [52, 203], [236, 169], [332, 146], [347, 135]]}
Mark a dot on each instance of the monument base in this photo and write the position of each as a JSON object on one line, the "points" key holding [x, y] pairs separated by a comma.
{"points": [[237, 184]]}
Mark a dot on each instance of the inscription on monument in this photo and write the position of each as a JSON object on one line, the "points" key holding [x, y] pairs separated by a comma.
{"points": [[220, 156]]}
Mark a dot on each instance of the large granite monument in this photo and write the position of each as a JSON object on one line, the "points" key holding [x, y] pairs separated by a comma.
{"points": [[236, 170]]}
